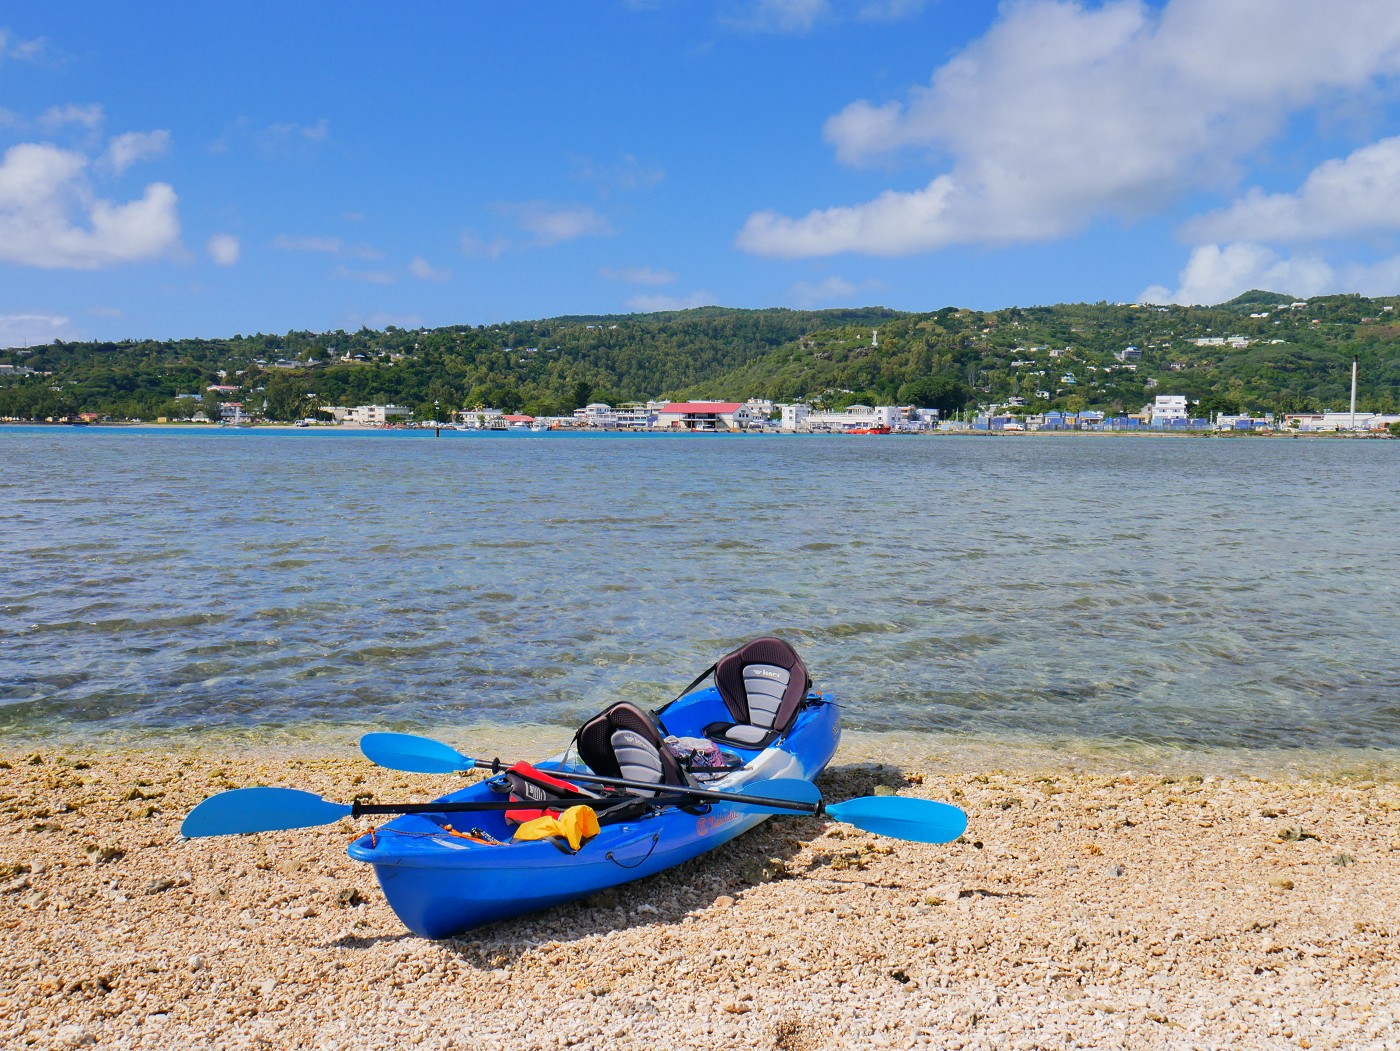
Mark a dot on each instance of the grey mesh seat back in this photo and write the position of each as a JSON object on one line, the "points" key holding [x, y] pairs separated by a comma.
{"points": [[763, 684], [624, 741]]}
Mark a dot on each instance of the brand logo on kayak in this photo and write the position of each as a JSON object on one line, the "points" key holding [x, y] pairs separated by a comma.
{"points": [[766, 673], [707, 823]]}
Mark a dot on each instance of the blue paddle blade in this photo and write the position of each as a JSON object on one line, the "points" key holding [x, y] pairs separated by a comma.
{"points": [[917, 820], [260, 810], [414, 754], [788, 789]]}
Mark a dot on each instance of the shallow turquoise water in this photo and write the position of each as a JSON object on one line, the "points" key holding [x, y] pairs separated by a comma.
{"points": [[1172, 593]]}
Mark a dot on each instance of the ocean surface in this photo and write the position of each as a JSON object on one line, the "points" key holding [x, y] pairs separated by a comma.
{"points": [[1147, 595]]}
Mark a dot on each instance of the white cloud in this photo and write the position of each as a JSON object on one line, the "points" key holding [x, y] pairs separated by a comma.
{"points": [[284, 140], [317, 132], [56, 117], [781, 16], [12, 47], [1216, 273], [480, 248], [889, 10], [629, 174], [329, 245], [1063, 113], [653, 304], [554, 224], [1359, 194], [50, 217], [27, 330], [370, 277], [637, 275], [224, 249], [132, 146], [421, 268]]}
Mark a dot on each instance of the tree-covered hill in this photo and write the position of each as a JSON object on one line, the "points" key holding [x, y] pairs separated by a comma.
{"points": [[1260, 351]]}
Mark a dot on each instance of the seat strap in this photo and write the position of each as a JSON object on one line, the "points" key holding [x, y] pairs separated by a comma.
{"points": [[694, 683]]}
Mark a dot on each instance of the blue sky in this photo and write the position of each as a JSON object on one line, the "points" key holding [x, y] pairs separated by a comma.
{"points": [[201, 170]]}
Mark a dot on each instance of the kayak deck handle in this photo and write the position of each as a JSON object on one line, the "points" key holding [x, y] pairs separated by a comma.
{"points": [[655, 838]]}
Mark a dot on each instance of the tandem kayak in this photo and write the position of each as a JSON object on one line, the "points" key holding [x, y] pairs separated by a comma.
{"points": [[762, 715]]}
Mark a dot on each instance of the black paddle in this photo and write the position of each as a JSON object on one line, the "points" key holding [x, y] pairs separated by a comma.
{"points": [[919, 820]]}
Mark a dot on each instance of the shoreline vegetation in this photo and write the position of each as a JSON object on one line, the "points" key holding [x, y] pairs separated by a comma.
{"points": [[1108, 905], [1259, 354], [370, 429]]}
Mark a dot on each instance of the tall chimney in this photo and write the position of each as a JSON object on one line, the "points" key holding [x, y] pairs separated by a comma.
{"points": [[1353, 392]]}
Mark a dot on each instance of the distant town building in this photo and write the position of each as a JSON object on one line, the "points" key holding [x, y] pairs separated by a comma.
{"points": [[366, 415], [1167, 407], [708, 416], [854, 417]]}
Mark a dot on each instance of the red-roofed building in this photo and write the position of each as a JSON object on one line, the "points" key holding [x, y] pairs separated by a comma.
{"points": [[515, 417], [706, 416]]}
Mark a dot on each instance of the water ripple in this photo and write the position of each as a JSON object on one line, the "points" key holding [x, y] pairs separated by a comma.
{"points": [[1191, 594]]}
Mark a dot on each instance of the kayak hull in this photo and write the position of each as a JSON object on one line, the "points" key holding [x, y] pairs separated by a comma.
{"points": [[440, 885]]}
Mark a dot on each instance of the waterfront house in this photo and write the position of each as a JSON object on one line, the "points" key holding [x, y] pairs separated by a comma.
{"points": [[367, 415], [707, 416], [854, 417], [1167, 409]]}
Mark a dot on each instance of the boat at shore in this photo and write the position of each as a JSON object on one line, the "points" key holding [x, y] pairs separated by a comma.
{"points": [[441, 881]]}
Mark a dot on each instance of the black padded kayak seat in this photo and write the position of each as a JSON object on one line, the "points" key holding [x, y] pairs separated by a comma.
{"points": [[763, 684], [624, 741]]}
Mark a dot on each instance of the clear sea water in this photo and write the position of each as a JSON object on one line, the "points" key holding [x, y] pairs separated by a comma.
{"points": [[1062, 592]]}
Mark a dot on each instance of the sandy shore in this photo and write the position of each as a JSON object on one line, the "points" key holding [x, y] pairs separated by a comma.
{"points": [[1081, 911]]}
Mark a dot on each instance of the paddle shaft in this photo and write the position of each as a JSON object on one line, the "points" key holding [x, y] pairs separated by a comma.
{"points": [[692, 793], [467, 806]]}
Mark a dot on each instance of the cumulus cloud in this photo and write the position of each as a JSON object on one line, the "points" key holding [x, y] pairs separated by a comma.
{"points": [[637, 275], [50, 216], [424, 270], [552, 224], [12, 47], [1357, 194], [26, 330], [56, 117], [653, 304], [1216, 273], [224, 249], [1062, 113], [132, 146]]}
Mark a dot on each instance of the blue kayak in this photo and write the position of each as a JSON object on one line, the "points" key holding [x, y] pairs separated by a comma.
{"points": [[440, 884]]}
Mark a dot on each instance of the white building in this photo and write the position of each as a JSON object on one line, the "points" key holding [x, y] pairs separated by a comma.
{"points": [[596, 414], [635, 417], [367, 415], [1168, 407], [855, 417], [762, 407], [795, 417], [1324, 422]]}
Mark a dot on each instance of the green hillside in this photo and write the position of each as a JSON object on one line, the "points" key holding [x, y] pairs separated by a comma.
{"points": [[1257, 352]]}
